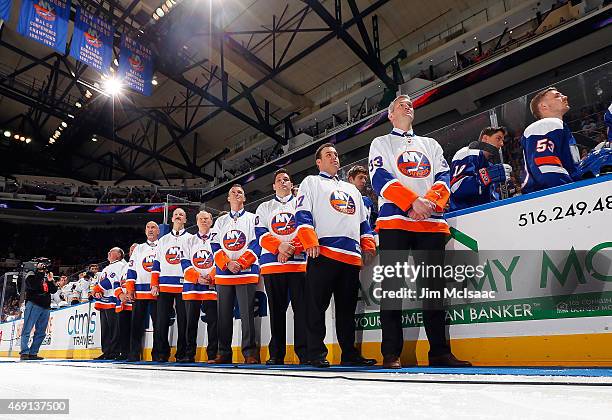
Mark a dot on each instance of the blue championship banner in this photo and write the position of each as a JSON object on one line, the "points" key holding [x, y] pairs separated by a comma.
{"points": [[92, 41], [45, 21], [5, 9], [135, 65]]}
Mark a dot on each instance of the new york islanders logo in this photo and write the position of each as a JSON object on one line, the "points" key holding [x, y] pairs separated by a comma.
{"points": [[92, 38], [136, 62], [234, 240], [283, 224], [45, 11], [147, 263], [202, 259], [173, 255], [414, 164], [342, 202]]}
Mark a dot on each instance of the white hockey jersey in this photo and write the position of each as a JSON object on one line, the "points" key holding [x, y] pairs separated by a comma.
{"points": [[140, 268], [277, 225], [167, 270], [331, 214], [234, 239], [199, 256], [403, 167], [110, 274]]}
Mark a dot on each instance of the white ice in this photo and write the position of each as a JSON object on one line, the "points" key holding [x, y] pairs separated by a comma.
{"points": [[102, 391]]}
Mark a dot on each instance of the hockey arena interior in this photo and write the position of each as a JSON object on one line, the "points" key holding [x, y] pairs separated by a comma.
{"points": [[321, 208]]}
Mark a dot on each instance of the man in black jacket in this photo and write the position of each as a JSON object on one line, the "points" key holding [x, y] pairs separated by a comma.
{"points": [[39, 288]]}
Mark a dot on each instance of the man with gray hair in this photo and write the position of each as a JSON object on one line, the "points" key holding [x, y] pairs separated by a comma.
{"points": [[411, 177]]}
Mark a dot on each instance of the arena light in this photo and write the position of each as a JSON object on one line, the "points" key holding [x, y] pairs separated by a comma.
{"points": [[160, 12], [155, 16], [88, 94], [64, 124], [7, 133], [169, 4], [57, 133], [115, 62], [112, 86], [165, 8], [154, 82], [22, 138], [28, 140], [94, 139], [16, 136], [78, 104]]}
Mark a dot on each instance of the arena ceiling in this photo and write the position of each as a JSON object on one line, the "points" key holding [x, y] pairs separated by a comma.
{"points": [[225, 69]]}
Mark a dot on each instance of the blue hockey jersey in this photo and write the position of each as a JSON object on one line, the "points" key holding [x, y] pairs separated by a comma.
{"points": [[467, 187], [550, 155]]}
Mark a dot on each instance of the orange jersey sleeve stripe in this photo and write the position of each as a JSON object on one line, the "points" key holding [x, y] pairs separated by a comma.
{"points": [[130, 285], [412, 226], [307, 236], [439, 195], [270, 242], [400, 195], [174, 288], [98, 289], [548, 160], [145, 296], [339, 256]]}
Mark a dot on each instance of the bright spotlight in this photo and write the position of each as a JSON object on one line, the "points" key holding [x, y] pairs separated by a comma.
{"points": [[7, 133], [159, 12], [78, 104], [64, 124], [28, 140], [16, 137], [154, 82], [22, 138], [112, 86]]}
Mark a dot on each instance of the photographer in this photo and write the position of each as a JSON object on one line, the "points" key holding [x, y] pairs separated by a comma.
{"points": [[39, 288]]}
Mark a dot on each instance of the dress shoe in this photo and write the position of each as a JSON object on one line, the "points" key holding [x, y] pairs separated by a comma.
{"points": [[24, 357], [251, 360], [391, 362], [358, 361], [272, 361], [319, 363], [448, 360], [36, 357], [221, 360]]}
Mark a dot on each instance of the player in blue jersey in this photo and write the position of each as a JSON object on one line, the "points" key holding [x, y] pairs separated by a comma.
{"points": [[477, 172], [549, 149]]}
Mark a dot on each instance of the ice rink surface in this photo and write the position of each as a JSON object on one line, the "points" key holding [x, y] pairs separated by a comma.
{"points": [[103, 390]]}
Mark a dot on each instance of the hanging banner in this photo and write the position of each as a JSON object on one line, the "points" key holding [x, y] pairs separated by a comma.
{"points": [[45, 21], [135, 65], [92, 41], [5, 9]]}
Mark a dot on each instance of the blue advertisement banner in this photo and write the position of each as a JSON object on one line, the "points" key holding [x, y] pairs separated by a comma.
{"points": [[92, 41], [135, 66], [45, 21]]}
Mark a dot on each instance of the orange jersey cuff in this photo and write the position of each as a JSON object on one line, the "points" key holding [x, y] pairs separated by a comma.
{"points": [[221, 259], [270, 242], [400, 195], [98, 289], [308, 237], [368, 244], [130, 285], [154, 279], [439, 195], [191, 275], [247, 259]]}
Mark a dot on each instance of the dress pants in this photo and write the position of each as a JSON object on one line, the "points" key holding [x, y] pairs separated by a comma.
{"points": [[245, 293], [280, 288], [433, 319], [141, 310], [109, 332], [124, 322], [192, 310], [326, 277], [165, 301]]}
